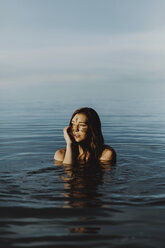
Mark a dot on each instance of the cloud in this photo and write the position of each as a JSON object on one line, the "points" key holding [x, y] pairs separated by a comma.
{"points": [[85, 57]]}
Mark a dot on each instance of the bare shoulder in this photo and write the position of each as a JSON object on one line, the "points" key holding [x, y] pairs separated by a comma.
{"points": [[60, 154], [108, 154]]}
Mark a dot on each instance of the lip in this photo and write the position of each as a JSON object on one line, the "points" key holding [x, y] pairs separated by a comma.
{"points": [[76, 135]]}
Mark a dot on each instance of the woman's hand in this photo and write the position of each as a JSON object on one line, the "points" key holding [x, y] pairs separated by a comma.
{"points": [[67, 135], [68, 159]]}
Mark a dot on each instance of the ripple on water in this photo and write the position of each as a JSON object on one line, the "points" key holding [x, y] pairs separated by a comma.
{"points": [[43, 205]]}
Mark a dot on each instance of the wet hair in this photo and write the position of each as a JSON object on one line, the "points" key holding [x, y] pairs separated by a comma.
{"points": [[94, 143]]}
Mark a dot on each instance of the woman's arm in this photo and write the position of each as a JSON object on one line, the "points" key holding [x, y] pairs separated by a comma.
{"points": [[108, 154], [66, 155], [68, 159], [59, 155]]}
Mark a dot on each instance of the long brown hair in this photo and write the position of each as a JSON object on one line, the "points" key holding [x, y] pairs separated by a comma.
{"points": [[94, 144]]}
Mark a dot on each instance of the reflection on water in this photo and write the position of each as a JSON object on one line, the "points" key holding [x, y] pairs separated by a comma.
{"points": [[81, 183], [94, 230]]}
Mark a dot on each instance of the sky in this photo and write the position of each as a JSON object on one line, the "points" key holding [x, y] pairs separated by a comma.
{"points": [[66, 41]]}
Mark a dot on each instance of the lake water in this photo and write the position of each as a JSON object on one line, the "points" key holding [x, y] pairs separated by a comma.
{"points": [[43, 205]]}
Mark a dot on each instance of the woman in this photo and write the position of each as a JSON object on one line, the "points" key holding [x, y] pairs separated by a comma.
{"points": [[84, 140]]}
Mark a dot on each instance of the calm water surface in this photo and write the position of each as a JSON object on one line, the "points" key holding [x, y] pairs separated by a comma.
{"points": [[43, 205]]}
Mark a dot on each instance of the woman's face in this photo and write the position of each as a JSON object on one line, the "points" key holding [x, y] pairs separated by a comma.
{"points": [[79, 127]]}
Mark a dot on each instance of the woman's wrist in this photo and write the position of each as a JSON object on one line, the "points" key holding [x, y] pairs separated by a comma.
{"points": [[69, 144]]}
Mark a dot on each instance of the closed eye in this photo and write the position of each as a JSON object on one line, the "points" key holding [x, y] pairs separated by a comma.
{"points": [[81, 125]]}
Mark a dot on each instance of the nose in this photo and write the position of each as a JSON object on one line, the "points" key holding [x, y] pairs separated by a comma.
{"points": [[76, 128]]}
